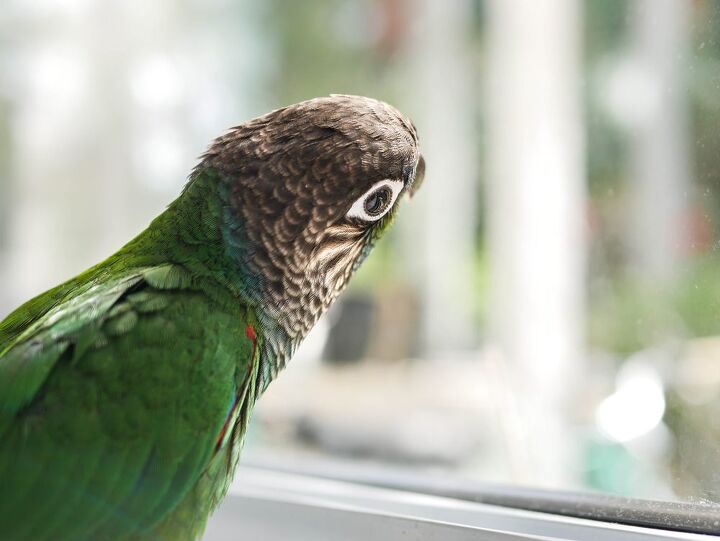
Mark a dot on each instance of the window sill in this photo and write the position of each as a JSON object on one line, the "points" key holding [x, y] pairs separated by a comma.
{"points": [[271, 504]]}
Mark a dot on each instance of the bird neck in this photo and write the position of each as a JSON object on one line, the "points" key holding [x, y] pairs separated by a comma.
{"points": [[200, 231]]}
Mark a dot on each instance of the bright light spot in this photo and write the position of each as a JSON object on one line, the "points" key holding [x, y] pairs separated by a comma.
{"points": [[58, 75], [636, 407], [631, 93], [160, 160], [40, 8], [156, 83]]}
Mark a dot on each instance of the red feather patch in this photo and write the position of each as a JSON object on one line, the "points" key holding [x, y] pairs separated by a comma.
{"points": [[250, 333]]}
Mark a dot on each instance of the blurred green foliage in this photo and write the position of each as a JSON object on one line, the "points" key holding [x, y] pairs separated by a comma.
{"points": [[628, 314], [625, 313], [327, 47]]}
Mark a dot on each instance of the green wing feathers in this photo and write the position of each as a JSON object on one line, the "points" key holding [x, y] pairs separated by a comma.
{"points": [[111, 402], [35, 343]]}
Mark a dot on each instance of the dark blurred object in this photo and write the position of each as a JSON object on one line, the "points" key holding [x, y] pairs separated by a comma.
{"points": [[396, 325], [350, 331]]}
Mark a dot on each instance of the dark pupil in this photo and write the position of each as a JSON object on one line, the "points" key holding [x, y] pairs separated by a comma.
{"points": [[376, 203]]}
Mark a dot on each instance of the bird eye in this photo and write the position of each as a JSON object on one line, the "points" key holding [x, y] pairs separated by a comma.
{"points": [[377, 201]]}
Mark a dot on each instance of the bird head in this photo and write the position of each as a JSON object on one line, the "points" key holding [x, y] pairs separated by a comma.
{"points": [[308, 190]]}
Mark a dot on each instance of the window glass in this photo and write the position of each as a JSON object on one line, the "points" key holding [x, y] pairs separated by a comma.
{"points": [[546, 310]]}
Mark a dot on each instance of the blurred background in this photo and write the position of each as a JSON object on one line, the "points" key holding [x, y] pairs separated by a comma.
{"points": [[545, 312]]}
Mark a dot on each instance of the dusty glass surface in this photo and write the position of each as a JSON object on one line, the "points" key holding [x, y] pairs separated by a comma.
{"points": [[546, 311]]}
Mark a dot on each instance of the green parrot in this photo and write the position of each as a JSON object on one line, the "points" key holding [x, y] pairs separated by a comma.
{"points": [[126, 391]]}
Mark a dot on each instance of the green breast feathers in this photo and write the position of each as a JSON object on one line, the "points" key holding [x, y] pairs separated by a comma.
{"points": [[126, 391]]}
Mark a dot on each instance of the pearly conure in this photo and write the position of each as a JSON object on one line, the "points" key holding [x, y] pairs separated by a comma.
{"points": [[125, 392]]}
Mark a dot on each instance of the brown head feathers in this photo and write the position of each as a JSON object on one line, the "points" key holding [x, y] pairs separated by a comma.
{"points": [[309, 187]]}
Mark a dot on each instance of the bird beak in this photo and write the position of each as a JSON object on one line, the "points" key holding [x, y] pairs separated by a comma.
{"points": [[419, 177]]}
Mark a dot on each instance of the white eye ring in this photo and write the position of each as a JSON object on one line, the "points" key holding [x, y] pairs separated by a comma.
{"points": [[359, 210]]}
